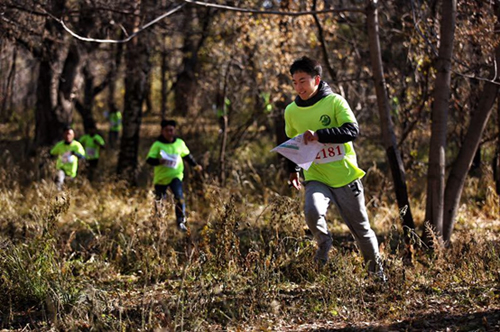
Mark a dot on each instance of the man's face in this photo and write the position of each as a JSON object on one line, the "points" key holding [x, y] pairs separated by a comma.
{"points": [[305, 85], [168, 133], [69, 135]]}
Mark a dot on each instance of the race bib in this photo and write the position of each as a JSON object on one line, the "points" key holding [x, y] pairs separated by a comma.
{"points": [[91, 152], [170, 160], [330, 152], [67, 157]]}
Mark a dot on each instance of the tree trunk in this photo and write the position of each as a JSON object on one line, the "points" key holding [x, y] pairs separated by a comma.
{"points": [[186, 80], [164, 69], [386, 124], [458, 174], [137, 59], [113, 75], [147, 99], [50, 116], [324, 48], [7, 96], [496, 159], [441, 97], [222, 152], [85, 108], [285, 99], [223, 117]]}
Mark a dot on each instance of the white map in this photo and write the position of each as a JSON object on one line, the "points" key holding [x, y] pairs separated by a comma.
{"points": [[297, 151]]}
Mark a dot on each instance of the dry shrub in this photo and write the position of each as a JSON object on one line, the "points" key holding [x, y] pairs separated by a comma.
{"points": [[109, 259]]}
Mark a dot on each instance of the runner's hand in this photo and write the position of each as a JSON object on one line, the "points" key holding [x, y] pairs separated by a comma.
{"points": [[295, 180], [310, 136], [198, 168]]}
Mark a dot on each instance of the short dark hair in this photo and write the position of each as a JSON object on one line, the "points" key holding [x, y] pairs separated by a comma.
{"points": [[306, 65], [67, 127], [165, 123]]}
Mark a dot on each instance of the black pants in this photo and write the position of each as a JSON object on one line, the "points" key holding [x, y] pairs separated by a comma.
{"points": [[91, 167], [176, 188]]}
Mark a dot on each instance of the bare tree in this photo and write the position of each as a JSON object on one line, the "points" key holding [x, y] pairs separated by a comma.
{"points": [[441, 97], [138, 66], [462, 164], [8, 95], [324, 46], [386, 124], [59, 64], [117, 51], [496, 159], [193, 42]]}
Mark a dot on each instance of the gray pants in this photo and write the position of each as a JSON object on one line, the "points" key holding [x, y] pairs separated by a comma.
{"points": [[350, 202], [59, 179]]}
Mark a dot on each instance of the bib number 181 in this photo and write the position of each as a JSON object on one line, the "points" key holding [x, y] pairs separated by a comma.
{"points": [[331, 152]]}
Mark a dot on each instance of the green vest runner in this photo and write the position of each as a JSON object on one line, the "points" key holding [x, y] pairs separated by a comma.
{"points": [[336, 164], [92, 145], [173, 153], [66, 161], [115, 121]]}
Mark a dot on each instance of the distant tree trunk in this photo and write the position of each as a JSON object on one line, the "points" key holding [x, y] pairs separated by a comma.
{"points": [[164, 69], [283, 79], [147, 99], [441, 96], [324, 48], [496, 159], [386, 124], [279, 115], [66, 94], [222, 113], [137, 59], [7, 96], [48, 122], [113, 75], [85, 108], [462, 164], [185, 83], [55, 97], [186, 80], [89, 93], [222, 154]]}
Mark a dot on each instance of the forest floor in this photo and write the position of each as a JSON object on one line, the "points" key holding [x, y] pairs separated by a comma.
{"points": [[102, 256]]}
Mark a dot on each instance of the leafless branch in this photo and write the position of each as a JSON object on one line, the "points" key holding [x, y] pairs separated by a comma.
{"points": [[270, 12], [434, 51], [26, 10], [114, 41]]}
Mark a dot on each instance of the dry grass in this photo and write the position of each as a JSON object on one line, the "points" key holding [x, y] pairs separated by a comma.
{"points": [[98, 257]]}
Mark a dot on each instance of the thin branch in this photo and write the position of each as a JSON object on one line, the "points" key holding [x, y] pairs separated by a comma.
{"points": [[199, 3], [331, 71], [29, 11], [119, 41], [271, 12], [106, 9], [476, 78], [454, 59], [22, 27]]}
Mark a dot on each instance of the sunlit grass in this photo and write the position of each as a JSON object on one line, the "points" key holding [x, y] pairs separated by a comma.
{"points": [[97, 255]]}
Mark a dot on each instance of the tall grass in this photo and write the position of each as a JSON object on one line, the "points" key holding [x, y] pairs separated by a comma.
{"points": [[105, 257]]}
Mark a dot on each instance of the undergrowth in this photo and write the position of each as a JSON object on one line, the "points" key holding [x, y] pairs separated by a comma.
{"points": [[106, 257]]}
